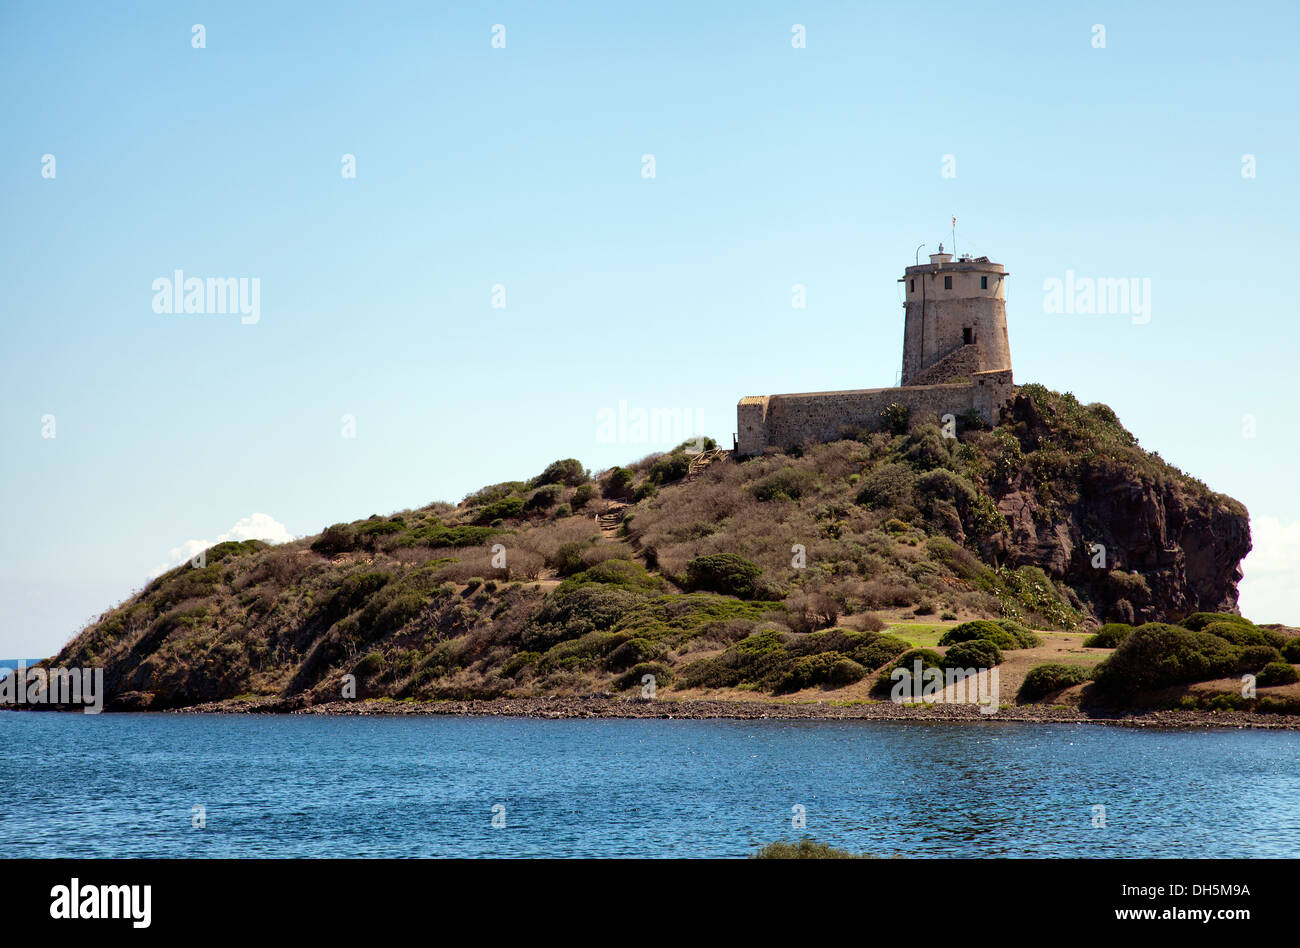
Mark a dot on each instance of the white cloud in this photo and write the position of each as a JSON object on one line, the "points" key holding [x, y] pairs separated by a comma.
{"points": [[259, 526], [1270, 591]]}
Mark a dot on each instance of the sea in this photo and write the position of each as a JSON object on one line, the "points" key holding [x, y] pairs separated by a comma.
{"points": [[182, 785]]}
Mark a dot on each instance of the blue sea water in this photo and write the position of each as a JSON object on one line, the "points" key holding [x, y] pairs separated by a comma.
{"points": [[127, 784]]}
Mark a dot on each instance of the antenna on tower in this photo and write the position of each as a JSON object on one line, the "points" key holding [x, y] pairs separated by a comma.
{"points": [[954, 236]]}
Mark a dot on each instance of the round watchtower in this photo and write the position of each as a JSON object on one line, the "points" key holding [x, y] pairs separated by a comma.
{"points": [[956, 322]]}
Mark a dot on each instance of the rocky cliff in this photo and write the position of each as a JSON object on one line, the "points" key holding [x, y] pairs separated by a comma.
{"points": [[1135, 537]]}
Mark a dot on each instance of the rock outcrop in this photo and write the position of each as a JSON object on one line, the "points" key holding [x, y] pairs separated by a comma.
{"points": [[1144, 545]]}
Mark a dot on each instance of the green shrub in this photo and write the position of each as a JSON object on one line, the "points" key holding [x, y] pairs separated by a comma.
{"points": [[1157, 655], [828, 668], [941, 484], [493, 493], [582, 496], [980, 629], [229, 549], [579, 654], [893, 418], [789, 483], [518, 662], [846, 672], [726, 573], [544, 498], [1021, 633], [1197, 621], [1291, 649], [564, 510], [669, 468], [372, 663], [873, 650], [616, 482], [1238, 633], [1277, 673], [587, 608], [503, 509], [567, 559], [568, 471], [888, 487], [437, 534], [1108, 636], [804, 849], [1255, 657], [1042, 680], [635, 651], [375, 528], [976, 653], [353, 592], [632, 678], [334, 540], [928, 658]]}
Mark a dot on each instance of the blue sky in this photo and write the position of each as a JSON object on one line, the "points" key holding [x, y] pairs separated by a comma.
{"points": [[523, 166]]}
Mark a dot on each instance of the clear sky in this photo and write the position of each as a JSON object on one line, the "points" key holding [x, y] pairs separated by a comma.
{"points": [[524, 167]]}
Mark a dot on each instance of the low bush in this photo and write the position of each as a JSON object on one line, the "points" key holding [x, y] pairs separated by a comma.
{"points": [[894, 417], [1197, 621], [503, 509], [977, 653], [928, 658], [616, 483], [334, 540], [544, 498], [1238, 633], [804, 849], [1042, 680], [663, 676], [789, 483], [726, 573], [1277, 673], [1157, 655], [888, 487], [1255, 657], [1009, 637], [635, 651], [1108, 636], [568, 471], [670, 468]]}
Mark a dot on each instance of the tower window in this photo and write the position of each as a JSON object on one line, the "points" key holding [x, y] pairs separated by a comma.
{"points": [[967, 336], [911, 284], [947, 283], [984, 283]]}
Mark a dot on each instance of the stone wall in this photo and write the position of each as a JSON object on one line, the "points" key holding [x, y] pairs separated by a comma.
{"points": [[963, 362], [786, 421]]}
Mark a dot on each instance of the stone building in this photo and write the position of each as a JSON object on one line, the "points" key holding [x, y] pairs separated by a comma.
{"points": [[956, 359]]}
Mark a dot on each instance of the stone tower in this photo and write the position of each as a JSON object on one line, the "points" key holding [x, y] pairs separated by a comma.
{"points": [[956, 322]]}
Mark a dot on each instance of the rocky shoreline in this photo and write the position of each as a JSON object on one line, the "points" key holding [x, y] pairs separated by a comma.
{"points": [[608, 706]]}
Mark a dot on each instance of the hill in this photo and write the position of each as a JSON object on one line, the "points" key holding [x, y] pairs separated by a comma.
{"points": [[769, 575]]}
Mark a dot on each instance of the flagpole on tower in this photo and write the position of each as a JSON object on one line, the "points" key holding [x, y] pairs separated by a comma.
{"points": [[954, 236]]}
